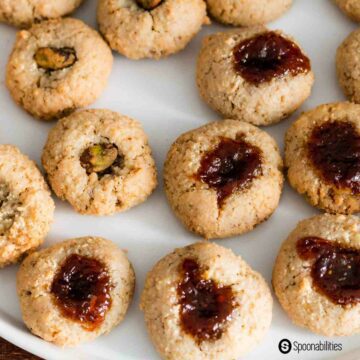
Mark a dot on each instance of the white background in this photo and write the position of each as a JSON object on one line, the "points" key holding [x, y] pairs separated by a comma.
{"points": [[163, 96]]}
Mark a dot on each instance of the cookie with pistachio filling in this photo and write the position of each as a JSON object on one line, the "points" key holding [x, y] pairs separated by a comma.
{"points": [[100, 162], [58, 66]]}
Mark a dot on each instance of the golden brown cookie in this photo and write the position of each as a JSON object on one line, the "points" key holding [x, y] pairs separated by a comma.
{"points": [[150, 29], [316, 275], [202, 302], [76, 290], [348, 66], [58, 66], [350, 7], [23, 13], [100, 162], [224, 178], [322, 154], [26, 207], [253, 74], [247, 12]]}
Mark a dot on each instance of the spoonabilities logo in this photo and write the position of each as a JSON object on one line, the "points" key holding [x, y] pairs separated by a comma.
{"points": [[285, 346]]}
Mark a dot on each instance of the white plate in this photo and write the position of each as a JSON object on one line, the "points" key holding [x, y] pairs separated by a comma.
{"points": [[163, 96]]}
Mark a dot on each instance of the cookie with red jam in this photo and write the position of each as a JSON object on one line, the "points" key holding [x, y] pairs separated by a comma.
{"points": [[322, 156], [316, 276], [203, 302], [76, 290], [253, 74], [224, 178]]}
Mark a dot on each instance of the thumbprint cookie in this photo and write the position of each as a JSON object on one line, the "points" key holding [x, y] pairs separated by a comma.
{"points": [[203, 302], [322, 156], [75, 290], [253, 74], [317, 275], [100, 162], [57, 66], [26, 206], [224, 178]]}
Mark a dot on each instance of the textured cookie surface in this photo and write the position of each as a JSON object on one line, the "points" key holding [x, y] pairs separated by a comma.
{"points": [[294, 284], [58, 66], [234, 96], [250, 309], [350, 7], [100, 162], [247, 12], [139, 33], [326, 168], [23, 13], [220, 211], [26, 207], [348, 66], [42, 314]]}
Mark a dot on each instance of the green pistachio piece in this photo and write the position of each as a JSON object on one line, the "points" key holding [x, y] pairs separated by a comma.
{"points": [[149, 4], [52, 59], [99, 157]]}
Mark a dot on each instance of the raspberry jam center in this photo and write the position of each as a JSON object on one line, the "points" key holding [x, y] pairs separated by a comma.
{"points": [[82, 290], [335, 270], [206, 307], [231, 166], [334, 149], [267, 56]]}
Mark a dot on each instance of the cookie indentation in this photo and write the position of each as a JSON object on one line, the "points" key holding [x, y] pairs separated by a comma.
{"points": [[101, 158], [206, 307], [82, 290], [231, 166], [334, 149], [10, 207], [335, 270], [149, 4], [267, 56], [52, 59]]}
